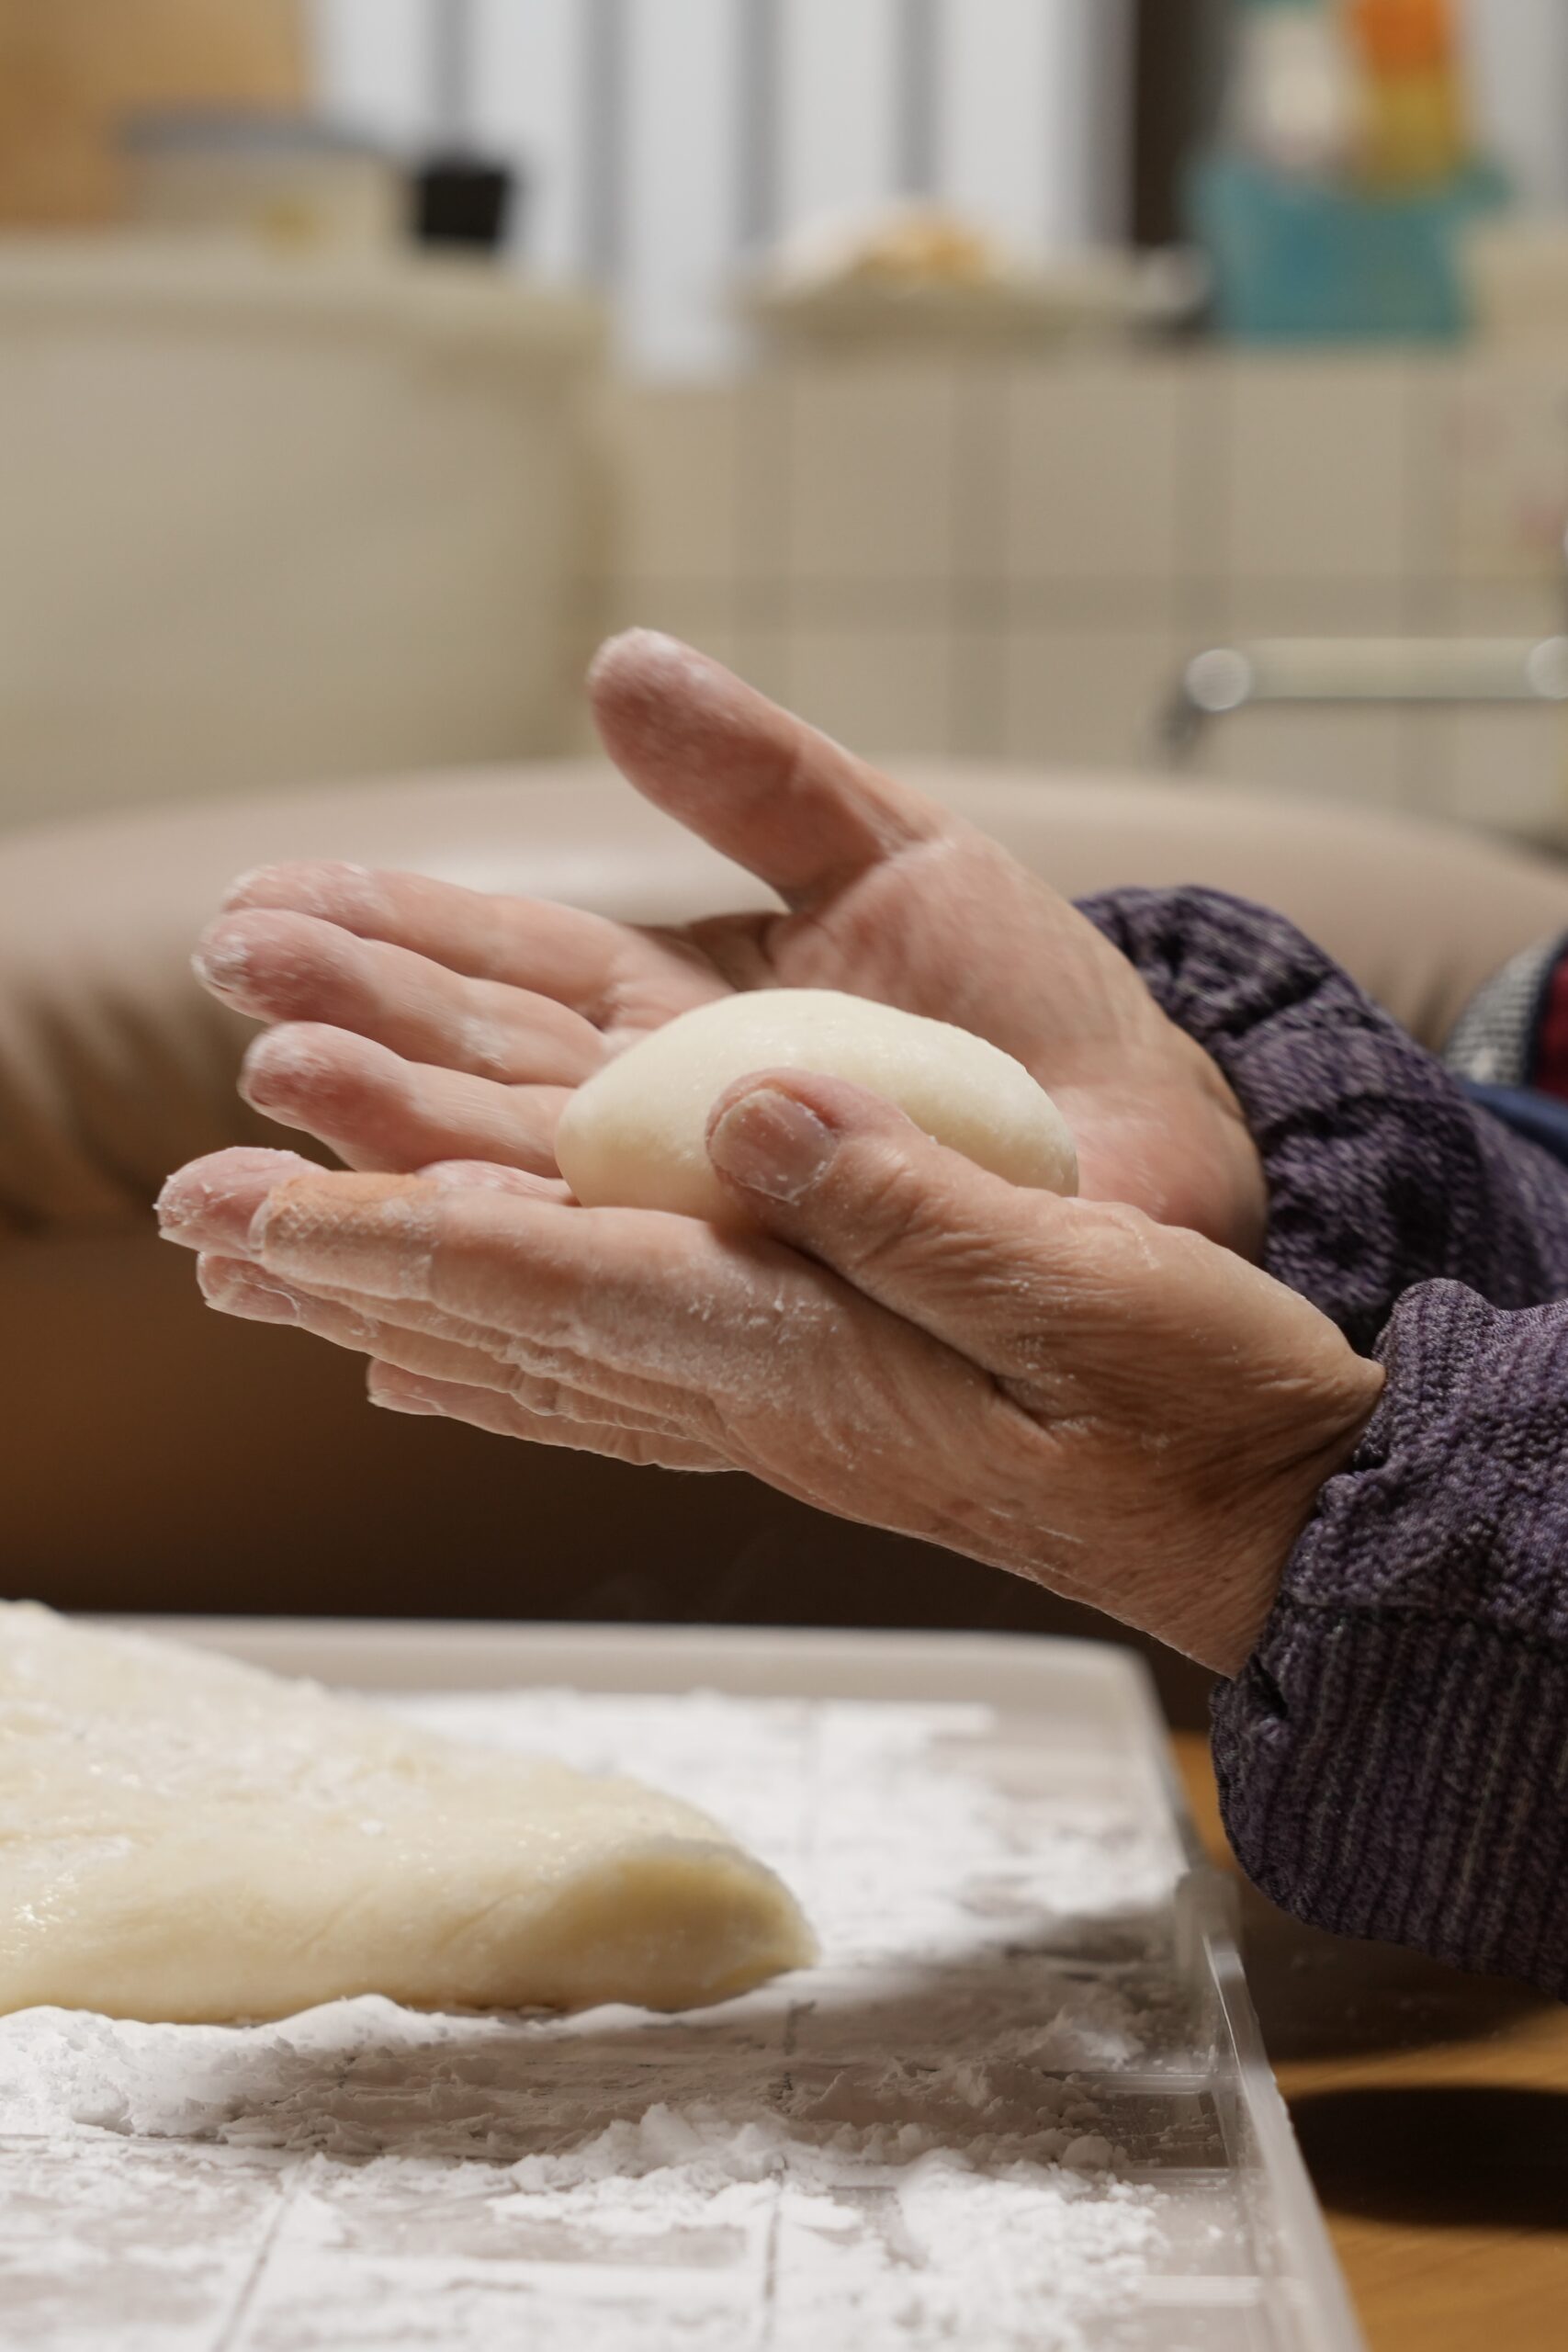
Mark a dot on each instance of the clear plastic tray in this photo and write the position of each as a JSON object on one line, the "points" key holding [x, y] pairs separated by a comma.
{"points": [[1022, 2101]]}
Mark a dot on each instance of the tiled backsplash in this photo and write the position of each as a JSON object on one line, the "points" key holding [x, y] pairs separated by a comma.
{"points": [[1015, 559]]}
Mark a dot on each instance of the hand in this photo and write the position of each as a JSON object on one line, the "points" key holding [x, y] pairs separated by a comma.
{"points": [[1119, 1409], [426, 1022]]}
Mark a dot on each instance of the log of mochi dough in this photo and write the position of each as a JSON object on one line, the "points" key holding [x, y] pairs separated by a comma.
{"points": [[634, 1136], [184, 1839]]}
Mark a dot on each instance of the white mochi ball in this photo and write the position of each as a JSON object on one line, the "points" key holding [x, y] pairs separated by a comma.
{"points": [[634, 1134]]}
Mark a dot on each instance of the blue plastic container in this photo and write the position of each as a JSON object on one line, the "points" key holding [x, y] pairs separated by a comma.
{"points": [[1302, 261]]}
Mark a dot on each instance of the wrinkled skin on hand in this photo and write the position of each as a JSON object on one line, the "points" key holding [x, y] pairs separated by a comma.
{"points": [[1089, 1392], [416, 1022], [1067, 1389]]}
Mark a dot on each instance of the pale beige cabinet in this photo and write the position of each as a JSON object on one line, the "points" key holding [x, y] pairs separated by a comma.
{"points": [[267, 520]]}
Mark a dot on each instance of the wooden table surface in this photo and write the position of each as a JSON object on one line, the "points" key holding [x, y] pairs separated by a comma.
{"points": [[1432, 2109]]}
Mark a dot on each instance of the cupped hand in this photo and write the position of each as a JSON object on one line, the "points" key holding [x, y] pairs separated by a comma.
{"points": [[1124, 1411], [419, 1022]]}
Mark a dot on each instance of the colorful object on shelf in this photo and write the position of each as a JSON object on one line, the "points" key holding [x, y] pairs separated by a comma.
{"points": [[916, 272], [1291, 104], [1297, 260], [1335, 205], [1415, 118]]}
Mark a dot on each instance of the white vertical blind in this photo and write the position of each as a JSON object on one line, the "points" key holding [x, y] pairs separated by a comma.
{"points": [[528, 109], [1002, 133], [1023, 128], [1519, 55], [371, 63], [839, 144], [684, 183], [1086, 103]]}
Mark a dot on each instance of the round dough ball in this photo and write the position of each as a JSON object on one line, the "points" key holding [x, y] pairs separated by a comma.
{"points": [[635, 1135]]}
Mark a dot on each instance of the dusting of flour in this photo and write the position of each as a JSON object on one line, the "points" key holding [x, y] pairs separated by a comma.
{"points": [[948, 2134]]}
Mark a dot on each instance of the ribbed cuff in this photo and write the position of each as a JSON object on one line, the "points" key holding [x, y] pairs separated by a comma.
{"points": [[1381, 1172], [1393, 1760], [1401, 1778]]}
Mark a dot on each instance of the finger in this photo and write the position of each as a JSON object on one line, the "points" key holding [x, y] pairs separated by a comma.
{"points": [[282, 967], [436, 1346], [492, 1357], [377, 1111], [583, 961], [740, 1344], [782, 799], [1018, 1280], [488, 1176], [212, 1203], [555, 1275], [504, 1417]]}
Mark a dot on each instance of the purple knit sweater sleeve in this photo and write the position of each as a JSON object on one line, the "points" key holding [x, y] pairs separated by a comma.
{"points": [[1393, 1759]]}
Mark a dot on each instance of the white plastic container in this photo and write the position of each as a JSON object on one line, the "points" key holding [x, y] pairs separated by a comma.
{"points": [[1021, 2103]]}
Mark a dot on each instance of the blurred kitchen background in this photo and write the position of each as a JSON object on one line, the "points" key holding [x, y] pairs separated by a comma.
{"points": [[1179, 386], [1145, 421]]}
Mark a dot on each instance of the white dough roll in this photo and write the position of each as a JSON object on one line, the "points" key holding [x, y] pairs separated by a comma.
{"points": [[635, 1135]]}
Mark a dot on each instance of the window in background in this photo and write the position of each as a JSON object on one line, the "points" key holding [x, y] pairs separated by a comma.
{"points": [[662, 139]]}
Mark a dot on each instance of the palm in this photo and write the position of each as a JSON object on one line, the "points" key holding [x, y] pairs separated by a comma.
{"points": [[456, 1024]]}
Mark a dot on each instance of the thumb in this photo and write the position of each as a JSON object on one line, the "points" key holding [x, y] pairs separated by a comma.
{"points": [[840, 1174]]}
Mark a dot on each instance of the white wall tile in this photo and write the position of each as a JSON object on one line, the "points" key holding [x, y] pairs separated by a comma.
{"points": [[1351, 607], [695, 616], [764, 657], [1087, 700], [871, 460], [1509, 770], [1501, 607], [1093, 453], [879, 690], [677, 453], [1319, 478], [1504, 507], [1354, 756]]}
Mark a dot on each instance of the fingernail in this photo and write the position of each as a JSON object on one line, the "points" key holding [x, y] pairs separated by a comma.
{"points": [[405, 1400], [324, 887], [210, 1203], [771, 1144], [222, 961], [277, 1067], [174, 1208], [653, 645]]}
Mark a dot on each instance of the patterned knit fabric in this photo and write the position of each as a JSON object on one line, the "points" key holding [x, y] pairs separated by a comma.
{"points": [[1394, 1759]]}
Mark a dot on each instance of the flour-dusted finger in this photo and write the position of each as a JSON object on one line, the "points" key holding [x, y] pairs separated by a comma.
{"points": [[784, 800], [377, 1111], [506, 1417], [619, 1282], [585, 962], [210, 1203], [279, 966], [740, 1342], [428, 1344]]}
